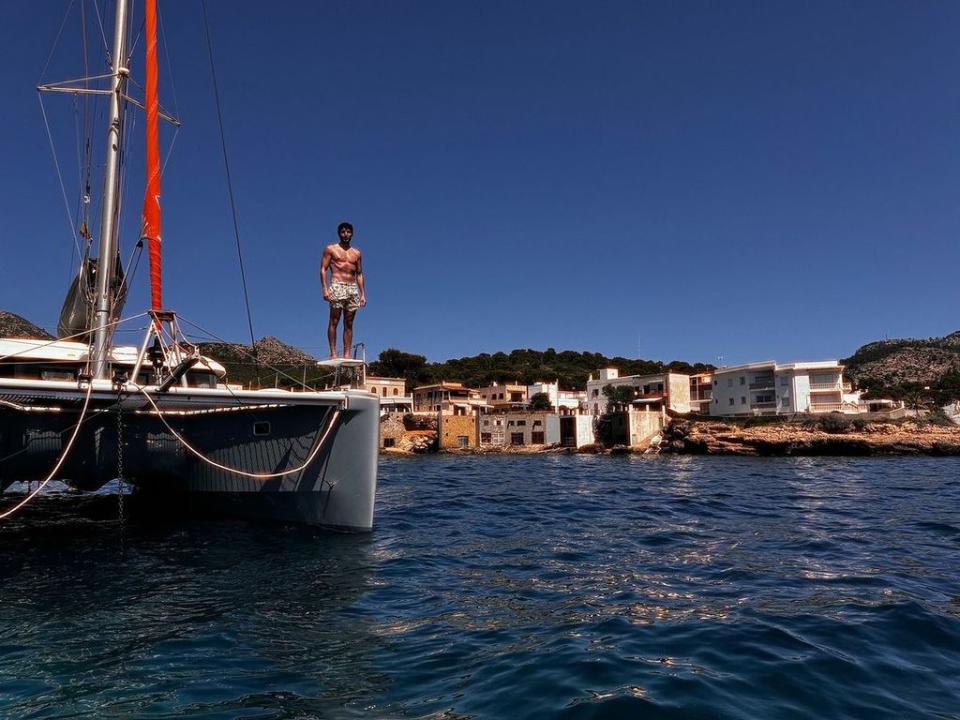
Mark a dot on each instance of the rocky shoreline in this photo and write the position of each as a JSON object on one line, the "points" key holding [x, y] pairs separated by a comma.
{"points": [[709, 437], [769, 439]]}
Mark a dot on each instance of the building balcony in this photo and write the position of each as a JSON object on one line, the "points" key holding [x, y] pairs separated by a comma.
{"points": [[762, 385], [828, 386], [763, 406], [825, 407]]}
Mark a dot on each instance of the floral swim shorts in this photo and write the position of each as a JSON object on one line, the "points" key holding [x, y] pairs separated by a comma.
{"points": [[344, 295]]}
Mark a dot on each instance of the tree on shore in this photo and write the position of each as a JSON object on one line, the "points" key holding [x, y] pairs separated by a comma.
{"points": [[618, 397], [541, 401]]}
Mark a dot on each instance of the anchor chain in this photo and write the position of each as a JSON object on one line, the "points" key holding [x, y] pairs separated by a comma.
{"points": [[119, 462]]}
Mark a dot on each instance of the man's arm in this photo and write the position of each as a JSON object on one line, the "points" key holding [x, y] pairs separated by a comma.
{"points": [[324, 266], [363, 290]]}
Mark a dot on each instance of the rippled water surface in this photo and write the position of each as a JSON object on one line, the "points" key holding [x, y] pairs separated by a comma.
{"points": [[502, 587]]}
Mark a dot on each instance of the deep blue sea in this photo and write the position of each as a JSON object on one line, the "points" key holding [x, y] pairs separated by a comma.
{"points": [[507, 587]]}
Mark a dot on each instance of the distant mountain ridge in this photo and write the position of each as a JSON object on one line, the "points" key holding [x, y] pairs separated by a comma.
{"points": [[274, 364], [14, 326], [906, 365]]}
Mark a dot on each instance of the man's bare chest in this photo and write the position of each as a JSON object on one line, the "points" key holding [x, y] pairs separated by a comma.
{"points": [[344, 258]]}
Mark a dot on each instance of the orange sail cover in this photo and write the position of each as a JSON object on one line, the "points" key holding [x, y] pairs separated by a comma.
{"points": [[151, 198]]}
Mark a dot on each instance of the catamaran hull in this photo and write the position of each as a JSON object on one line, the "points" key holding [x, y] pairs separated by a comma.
{"points": [[331, 449]]}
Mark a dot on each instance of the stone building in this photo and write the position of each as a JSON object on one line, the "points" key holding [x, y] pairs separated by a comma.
{"points": [[457, 431], [391, 391], [448, 398], [519, 428], [505, 396]]}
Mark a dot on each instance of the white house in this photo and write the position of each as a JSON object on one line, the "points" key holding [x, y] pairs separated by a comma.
{"points": [[768, 388], [566, 402], [666, 390]]}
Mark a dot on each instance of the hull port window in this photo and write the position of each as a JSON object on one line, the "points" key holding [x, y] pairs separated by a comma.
{"points": [[58, 373], [261, 428]]}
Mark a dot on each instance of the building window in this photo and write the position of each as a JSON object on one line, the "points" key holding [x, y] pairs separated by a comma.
{"points": [[596, 392], [537, 438], [396, 391], [384, 392], [743, 380], [388, 442], [784, 381], [521, 422], [537, 422], [731, 401], [485, 438], [510, 423], [743, 400], [499, 423], [486, 422], [716, 401], [729, 382], [463, 441], [516, 438]]}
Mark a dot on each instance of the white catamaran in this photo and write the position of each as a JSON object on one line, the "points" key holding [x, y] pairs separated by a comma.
{"points": [[160, 416]]}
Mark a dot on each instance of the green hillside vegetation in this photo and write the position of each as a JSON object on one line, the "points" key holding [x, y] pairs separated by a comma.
{"points": [[525, 366], [284, 366]]}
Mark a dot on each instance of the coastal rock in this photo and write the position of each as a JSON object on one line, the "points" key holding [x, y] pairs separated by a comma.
{"points": [[806, 437]]}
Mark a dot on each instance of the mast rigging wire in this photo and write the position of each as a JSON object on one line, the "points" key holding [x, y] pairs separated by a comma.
{"points": [[213, 336], [173, 90], [233, 205], [56, 42], [103, 35], [56, 162]]}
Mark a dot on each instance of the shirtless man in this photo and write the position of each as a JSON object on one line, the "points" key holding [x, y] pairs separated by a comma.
{"points": [[345, 291]]}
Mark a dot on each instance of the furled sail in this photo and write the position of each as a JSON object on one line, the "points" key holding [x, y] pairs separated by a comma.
{"points": [[76, 315], [151, 198]]}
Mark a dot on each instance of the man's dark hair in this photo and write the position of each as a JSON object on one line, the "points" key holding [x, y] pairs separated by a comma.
{"points": [[343, 225]]}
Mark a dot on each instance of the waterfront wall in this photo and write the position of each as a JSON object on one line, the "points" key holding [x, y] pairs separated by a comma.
{"points": [[457, 431]]}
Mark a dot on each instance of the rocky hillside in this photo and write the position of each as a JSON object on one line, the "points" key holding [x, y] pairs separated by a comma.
{"points": [[276, 364], [14, 326], [899, 367]]}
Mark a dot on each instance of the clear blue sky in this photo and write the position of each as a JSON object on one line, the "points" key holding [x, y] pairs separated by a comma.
{"points": [[657, 179]]}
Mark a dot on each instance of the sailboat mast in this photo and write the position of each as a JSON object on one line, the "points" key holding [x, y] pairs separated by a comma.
{"points": [[106, 265]]}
